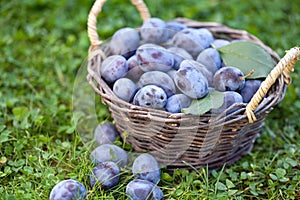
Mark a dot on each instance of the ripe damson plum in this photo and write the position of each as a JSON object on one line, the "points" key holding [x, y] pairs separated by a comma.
{"points": [[106, 173], [217, 43], [124, 42], [192, 40], [159, 79], [113, 68], [230, 98], [203, 69], [250, 88], [134, 71], [125, 89], [68, 190], [179, 55], [190, 81], [211, 59], [105, 133], [146, 167], [176, 102], [150, 96], [206, 35], [109, 152], [171, 73], [143, 190], [173, 27], [229, 79], [154, 31], [154, 58]]}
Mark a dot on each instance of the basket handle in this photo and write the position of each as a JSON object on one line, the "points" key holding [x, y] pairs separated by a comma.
{"points": [[96, 9], [285, 66]]}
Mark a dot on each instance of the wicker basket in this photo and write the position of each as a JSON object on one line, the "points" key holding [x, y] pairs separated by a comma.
{"points": [[184, 140]]}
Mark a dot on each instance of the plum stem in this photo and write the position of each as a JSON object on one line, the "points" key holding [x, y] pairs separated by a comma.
{"points": [[247, 75]]}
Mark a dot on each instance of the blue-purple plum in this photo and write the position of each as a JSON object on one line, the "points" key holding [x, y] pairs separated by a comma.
{"points": [[159, 79], [124, 42], [217, 43], [174, 27], [125, 89], [154, 31], [176, 102], [203, 69], [109, 152], [146, 167], [230, 98], [143, 190], [68, 190], [106, 173], [134, 70], [191, 81], [154, 58], [192, 40], [211, 59], [113, 68], [250, 88], [179, 55], [171, 73], [229, 79], [150, 96], [105, 133]]}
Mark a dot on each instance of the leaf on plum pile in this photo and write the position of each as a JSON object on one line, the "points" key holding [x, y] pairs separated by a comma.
{"points": [[247, 56], [214, 99]]}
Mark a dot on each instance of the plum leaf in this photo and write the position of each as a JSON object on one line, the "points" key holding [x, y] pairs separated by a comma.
{"points": [[247, 56], [214, 99]]}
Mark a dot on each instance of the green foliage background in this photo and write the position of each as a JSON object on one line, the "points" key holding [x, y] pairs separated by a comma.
{"points": [[42, 45]]}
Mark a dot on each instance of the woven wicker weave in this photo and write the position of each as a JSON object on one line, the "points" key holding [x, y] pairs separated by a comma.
{"points": [[179, 140]]}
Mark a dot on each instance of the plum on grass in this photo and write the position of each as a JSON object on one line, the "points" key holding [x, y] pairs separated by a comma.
{"points": [[143, 190], [154, 58], [150, 96], [229, 79], [191, 81], [250, 88], [68, 190], [113, 68], [125, 89], [146, 167], [106, 173], [192, 40], [109, 152], [230, 98], [211, 59], [154, 31], [105, 133], [176, 102], [159, 79], [124, 42]]}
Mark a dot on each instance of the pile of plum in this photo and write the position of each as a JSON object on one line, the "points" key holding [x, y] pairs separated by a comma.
{"points": [[166, 65], [109, 160]]}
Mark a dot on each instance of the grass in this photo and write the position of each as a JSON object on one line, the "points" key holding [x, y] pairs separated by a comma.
{"points": [[43, 45]]}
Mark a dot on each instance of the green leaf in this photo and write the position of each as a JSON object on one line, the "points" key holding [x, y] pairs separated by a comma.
{"points": [[273, 176], [221, 186], [280, 172], [214, 99], [247, 56], [229, 184]]}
